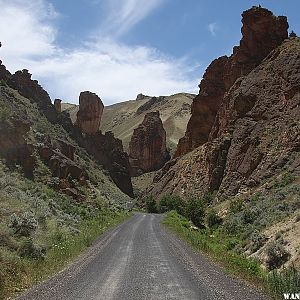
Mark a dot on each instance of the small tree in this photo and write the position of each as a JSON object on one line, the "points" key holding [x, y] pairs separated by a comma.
{"points": [[172, 202], [212, 219], [293, 34], [151, 204], [196, 211]]}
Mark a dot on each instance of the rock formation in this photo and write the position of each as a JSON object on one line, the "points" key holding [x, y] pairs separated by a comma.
{"points": [[141, 97], [109, 152], [14, 146], [61, 165], [253, 129], [90, 113], [261, 33], [57, 105], [105, 148], [147, 148], [4, 74], [22, 82]]}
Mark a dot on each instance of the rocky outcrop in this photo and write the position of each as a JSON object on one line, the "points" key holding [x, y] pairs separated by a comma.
{"points": [[105, 148], [141, 97], [60, 165], [14, 146], [57, 105], [150, 104], [22, 82], [4, 74], [261, 33], [109, 152], [147, 147], [255, 133], [90, 113], [59, 156]]}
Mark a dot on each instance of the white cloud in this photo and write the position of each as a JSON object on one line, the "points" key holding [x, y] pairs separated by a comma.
{"points": [[25, 29], [213, 27], [114, 71], [124, 14]]}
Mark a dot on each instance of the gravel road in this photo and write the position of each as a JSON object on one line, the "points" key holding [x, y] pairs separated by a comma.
{"points": [[141, 260]]}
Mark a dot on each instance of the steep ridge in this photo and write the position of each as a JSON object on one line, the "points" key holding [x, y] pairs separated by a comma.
{"points": [[88, 123], [239, 152], [261, 33], [242, 144]]}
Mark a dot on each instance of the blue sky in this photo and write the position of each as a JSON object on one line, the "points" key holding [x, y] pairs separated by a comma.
{"points": [[119, 48]]}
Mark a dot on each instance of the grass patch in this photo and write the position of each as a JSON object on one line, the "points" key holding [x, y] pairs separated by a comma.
{"points": [[19, 273], [219, 246]]}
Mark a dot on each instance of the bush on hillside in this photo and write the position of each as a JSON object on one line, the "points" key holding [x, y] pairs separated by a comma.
{"points": [[24, 225], [172, 202], [196, 211], [277, 255], [151, 204], [30, 250], [212, 219]]}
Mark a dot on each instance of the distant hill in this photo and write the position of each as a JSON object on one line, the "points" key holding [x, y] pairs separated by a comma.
{"points": [[121, 118]]}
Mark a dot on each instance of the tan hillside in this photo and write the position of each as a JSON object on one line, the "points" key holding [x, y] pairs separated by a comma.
{"points": [[122, 118]]}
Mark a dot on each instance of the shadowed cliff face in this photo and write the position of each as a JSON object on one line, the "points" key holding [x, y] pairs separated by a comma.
{"points": [[262, 32], [147, 148], [249, 134], [13, 145]]}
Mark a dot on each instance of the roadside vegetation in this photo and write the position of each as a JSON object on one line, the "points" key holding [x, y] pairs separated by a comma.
{"points": [[41, 228], [234, 238]]}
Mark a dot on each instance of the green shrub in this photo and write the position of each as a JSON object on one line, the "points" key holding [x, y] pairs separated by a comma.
{"points": [[151, 204], [196, 211], [24, 225], [258, 239], [212, 219], [172, 202], [232, 226], [5, 113], [236, 205], [30, 250], [285, 180], [277, 255], [287, 281]]}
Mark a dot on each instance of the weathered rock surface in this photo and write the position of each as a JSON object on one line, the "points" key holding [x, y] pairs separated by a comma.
{"points": [[60, 165], [105, 148], [4, 74], [255, 133], [57, 105], [147, 148], [14, 146], [22, 82], [261, 33], [90, 113], [109, 152]]}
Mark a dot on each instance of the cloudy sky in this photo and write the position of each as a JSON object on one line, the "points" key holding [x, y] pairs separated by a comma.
{"points": [[119, 48]]}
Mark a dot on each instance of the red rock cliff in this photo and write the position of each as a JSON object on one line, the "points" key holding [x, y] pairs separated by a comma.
{"points": [[147, 148], [261, 33], [90, 113]]}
